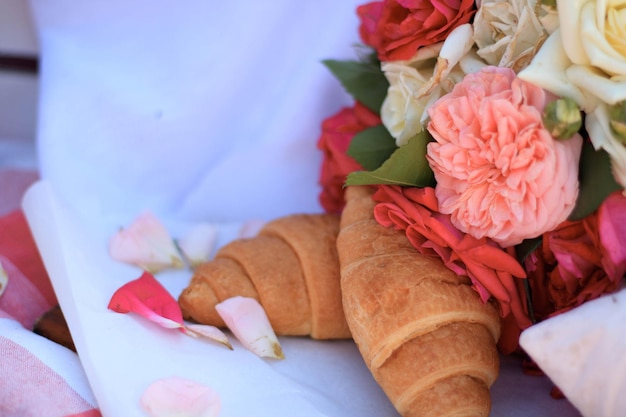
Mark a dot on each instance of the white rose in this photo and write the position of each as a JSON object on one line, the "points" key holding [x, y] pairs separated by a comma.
{"points": [[402, 112], [585, 60], [415, 84], [508, 34]]}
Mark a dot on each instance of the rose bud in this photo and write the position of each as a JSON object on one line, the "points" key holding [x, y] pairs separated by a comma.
{"points": [[562, 118]]}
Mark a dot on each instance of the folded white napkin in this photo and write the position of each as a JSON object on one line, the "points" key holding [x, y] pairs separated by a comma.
{"points": [[582, 351]]}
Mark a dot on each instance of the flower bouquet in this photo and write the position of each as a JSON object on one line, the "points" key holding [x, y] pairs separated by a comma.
{"points": [[491, 133]]}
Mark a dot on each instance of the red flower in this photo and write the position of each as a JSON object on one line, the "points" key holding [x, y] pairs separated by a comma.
{"points": [[490, 268], [337, 133], [398, 28], [579, 260]]}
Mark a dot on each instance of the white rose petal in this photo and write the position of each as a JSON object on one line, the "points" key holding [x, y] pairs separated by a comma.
{"points": [[590, 79], [569, 28], [197, 243], [402, 112], [246, 318], [147, 244], [208, 332], [599, 51], [548, 70], [508, 34]]}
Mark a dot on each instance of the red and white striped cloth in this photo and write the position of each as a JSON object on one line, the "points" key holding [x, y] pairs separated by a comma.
{"points": [[38, 377]]}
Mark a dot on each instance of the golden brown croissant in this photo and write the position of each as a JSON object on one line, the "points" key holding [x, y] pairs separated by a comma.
{"points": [[422, 330], [291, 267]]}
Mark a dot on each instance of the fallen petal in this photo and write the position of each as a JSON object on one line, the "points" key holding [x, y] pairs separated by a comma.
{"points": [[148, 298], [4, 279], [147, 244], [251, 228], [198, 243], [208, 332], [246, 318], [180, 397]]}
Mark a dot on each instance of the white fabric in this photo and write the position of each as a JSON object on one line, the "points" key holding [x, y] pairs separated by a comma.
{"points": [[199, 109], [583, 353]]}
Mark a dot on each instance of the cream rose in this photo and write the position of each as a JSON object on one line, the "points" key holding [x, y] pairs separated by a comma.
{"points": [[508, 34], [416, 83], [585, 60]]}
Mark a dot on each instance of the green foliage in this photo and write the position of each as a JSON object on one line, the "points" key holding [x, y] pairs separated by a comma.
{"points": [[363, 80], [371, 147], [596, 181], [406, 166]]}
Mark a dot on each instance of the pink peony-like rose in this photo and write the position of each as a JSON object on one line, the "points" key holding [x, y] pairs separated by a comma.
{"points": [[398, 28], [337, 133], [579, 260], [491, 269], [499, 172]]}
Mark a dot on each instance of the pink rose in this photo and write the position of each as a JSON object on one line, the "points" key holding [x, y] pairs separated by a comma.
{"points": [[580, 261], [490, 268], [398, 28], [337, 133], [499, 172]]}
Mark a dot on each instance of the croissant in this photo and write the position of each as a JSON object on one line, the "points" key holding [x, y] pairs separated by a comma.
{"points": [[423, 332], [291, 267]]}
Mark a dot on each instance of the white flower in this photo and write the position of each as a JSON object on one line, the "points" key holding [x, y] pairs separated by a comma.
{"points": [[508, 33], [585, 60], [415, 84]]}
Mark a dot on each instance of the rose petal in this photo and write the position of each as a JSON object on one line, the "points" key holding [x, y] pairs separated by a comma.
{"points": [[180, 397], [198, 243], [145, 243], [208, 332], [4, 279], [250, 228], [147, 297], [247, 320]]}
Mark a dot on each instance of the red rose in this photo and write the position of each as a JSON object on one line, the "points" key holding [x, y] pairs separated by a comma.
{"points": [[580, 260], [398, 28], [337, 133]]}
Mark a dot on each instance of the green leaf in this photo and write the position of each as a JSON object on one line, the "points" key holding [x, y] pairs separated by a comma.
{"points": [[406, 166], [596, 181], [371, 147], [364, 81], [526, 247]]}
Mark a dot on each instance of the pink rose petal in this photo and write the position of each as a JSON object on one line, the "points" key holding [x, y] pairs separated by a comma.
{"points": [[147, 244], [147, 297], [180, 397], [247, 320], [499, 172]]}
